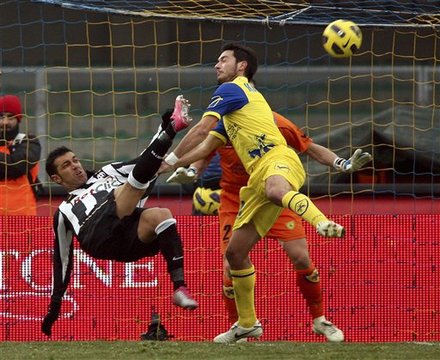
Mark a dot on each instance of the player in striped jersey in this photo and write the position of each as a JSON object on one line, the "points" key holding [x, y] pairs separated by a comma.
{"points": [[104, 212]]}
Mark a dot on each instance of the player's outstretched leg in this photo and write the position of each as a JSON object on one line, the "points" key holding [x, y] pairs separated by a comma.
{"points": [[322, 326], [174, 120], [151, 158], [304, 207], [236, 333], [180, 117]]}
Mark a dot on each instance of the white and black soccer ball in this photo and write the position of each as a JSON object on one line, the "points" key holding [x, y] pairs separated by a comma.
{"points": [[342, 38]]}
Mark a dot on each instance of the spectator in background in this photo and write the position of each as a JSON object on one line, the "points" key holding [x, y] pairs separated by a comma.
{"points": [[19, 157]]}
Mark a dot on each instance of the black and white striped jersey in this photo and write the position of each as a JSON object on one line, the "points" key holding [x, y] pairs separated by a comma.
{"points": [[77, 209]]}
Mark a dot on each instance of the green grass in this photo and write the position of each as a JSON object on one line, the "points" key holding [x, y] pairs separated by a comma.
{"points": [[174, 350]]}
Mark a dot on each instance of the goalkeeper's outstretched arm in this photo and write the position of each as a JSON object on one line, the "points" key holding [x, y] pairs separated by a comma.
{"points": [[327, 157]]}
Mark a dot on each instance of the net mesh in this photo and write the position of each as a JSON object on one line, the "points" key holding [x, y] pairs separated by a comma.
{"points": [[96, 75], [381, 13], [99, 82]]}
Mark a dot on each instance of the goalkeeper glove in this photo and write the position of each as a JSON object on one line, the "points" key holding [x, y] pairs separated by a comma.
{"points": [[355, 163], [183, 175], [52, 316]]}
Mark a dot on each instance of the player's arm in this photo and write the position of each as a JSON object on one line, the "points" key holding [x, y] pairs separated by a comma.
{"points": [[187, 175], [227, 98], [62, 267], [201, 151], [321, 154], [206, 150], [191, 140], [302, 143], [327, 157], [200, 165], [196, 135]]}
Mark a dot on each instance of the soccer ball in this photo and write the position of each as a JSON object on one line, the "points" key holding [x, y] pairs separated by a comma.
{"points": [[206, 201], [342, 38]]}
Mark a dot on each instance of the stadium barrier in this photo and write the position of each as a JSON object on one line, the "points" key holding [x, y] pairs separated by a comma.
{"points": [[381, 284]]}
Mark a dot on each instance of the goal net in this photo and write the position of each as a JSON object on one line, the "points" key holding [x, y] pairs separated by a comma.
{"points": [[96, 75]]}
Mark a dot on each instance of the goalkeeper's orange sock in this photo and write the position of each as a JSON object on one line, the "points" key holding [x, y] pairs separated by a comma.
{"points": [[310, 287], [304, 207], [228, 297], [244, 286]]}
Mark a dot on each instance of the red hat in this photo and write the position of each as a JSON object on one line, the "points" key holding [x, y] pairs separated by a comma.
{"points": [[11, 104]]}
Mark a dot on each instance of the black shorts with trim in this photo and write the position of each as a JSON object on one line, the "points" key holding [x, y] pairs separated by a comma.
{"points": [[105, 236]]}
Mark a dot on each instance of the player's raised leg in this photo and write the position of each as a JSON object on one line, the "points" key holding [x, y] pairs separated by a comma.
{"points": [[141, 178], [304, 207], [148, 163], [180, 116]]}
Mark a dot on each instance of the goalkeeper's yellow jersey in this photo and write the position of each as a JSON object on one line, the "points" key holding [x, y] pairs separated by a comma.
{"points": [[248, 121]]}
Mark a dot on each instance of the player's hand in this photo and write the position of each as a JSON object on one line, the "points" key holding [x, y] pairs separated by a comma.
{"points": [[51, 316], [183, 175], [354, 163], [358, 160]]}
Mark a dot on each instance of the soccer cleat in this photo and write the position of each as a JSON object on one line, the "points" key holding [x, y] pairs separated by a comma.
{"points": [[330, 331], [236, 333], [242, 340], [184, 299], [180, 116], [330, 229]]}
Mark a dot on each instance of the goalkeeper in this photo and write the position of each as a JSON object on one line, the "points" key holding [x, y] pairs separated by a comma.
{"points": [[288, 229], [104, 211]]}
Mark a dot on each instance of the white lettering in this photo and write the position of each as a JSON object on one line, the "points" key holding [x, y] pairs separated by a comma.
{"points": [[4, 254], [81, 257], [130, 274], [26, 271]]}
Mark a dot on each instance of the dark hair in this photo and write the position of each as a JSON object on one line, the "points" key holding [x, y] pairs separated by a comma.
{"points": [[244, 53], [53, 155]]}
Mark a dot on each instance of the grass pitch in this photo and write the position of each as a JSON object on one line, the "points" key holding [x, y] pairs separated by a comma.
{"points": [[175, 350]]}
